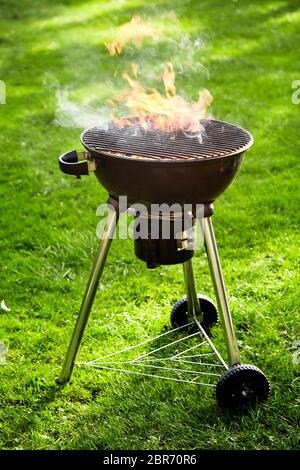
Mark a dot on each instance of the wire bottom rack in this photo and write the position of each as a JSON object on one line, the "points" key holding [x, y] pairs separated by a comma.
{"points": [[184, 354]]}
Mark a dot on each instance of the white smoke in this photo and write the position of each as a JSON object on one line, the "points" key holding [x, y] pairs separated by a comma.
{"points": [[179, 47], [70, 114]]}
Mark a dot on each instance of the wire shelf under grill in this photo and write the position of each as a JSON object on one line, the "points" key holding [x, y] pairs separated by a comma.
{"points": [[190, 357], [218, 139]]}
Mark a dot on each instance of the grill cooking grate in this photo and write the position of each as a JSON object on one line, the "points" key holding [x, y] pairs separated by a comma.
{"points": [[218, 139]]}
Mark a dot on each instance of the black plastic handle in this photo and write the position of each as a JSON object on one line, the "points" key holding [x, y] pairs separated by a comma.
{"points": [[70, 164]]}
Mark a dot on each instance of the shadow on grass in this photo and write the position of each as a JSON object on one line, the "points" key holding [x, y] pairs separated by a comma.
{"points": [[137, 407], [132, 413]]}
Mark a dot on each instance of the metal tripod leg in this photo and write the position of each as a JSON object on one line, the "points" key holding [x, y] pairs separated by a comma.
{"points": [[89, 296], [216, 274], [191, 292]]}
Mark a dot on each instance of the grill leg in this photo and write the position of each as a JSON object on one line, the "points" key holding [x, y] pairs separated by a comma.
{"points": [[191, 292], [89, 296], [216, 274]]}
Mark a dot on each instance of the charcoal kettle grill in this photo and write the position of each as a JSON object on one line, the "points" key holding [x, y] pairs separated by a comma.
{"points": [[151, 167]]}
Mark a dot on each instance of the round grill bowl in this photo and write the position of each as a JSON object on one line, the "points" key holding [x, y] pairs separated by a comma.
{"points": [[161, 167]]}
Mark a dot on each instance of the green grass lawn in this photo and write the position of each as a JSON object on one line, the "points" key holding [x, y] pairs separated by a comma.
{"points": [[48, 221]]}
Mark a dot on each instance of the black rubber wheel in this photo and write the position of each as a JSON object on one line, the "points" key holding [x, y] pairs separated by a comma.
{"points": [[179, 314], [242, 385]]}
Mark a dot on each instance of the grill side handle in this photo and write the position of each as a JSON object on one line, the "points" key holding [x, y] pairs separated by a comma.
{"points": [[76, 163]]}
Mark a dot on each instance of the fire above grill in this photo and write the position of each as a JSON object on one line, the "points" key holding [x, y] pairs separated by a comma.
{"points": [[152, 166]]}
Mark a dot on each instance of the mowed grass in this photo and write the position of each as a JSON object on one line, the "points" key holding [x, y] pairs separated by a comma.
{"points": [[48, 236]]}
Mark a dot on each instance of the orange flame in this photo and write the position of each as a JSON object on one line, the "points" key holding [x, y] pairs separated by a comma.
{"points": [[168, 78], [135, 31], [169, 112]]}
